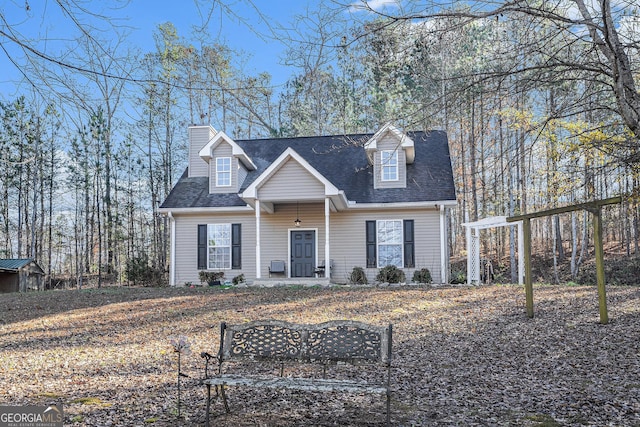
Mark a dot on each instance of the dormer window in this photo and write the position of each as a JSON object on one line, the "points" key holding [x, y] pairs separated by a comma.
{"points": [[223, 172], [389, 165]]}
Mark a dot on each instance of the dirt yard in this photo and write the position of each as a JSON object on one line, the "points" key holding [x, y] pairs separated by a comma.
{"points": [[463, 356]]}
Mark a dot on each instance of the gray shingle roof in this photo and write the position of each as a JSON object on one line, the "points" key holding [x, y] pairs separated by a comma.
{"points": [[342, 160]]}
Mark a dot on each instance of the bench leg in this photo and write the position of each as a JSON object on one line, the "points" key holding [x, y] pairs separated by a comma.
{"points": [[388, 409], [206, 419], [224, 398], [219, 392]]}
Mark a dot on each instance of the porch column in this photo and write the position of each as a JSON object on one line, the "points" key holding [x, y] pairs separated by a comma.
{"points": [[327, 251], [258, 262]]}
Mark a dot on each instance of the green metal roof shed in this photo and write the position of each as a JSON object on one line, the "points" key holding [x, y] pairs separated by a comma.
{"points": [[20, 275]]}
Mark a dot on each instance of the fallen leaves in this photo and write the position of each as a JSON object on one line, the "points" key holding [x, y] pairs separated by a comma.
{"points": [[463, 356]]}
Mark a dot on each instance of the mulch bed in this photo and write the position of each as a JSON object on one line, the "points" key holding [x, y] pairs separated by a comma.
{"points": [[463, 355]]}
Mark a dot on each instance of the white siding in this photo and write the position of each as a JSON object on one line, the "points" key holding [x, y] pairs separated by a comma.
{"points": [[199, 136], [223, 150], [291, 182], [242, 173], [276, 229], [348, 245], [390, 142], [186, 255]]}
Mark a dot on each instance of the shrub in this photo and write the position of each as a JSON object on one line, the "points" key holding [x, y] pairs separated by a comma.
{"points": [[422, 276], [238, 279], [458, 277], [211, 277], [140, 272], [390, 274], [358, 276]]}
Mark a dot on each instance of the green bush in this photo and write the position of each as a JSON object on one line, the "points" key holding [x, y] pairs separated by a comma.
{"points": [[422, 276], [390, 274], [211, 277], [358, 276], [458, 278], [140, 272]]}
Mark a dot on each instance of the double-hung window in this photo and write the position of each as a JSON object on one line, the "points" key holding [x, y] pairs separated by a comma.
{"points": [[390, 242], [223, 171], [389, 163], [219, 246]]}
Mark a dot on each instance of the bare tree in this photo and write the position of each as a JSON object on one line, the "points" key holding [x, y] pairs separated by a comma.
{"points": [[566, 40]]}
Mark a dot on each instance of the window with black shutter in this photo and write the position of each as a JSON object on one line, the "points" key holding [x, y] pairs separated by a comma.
{"points": [[202, 246], [236, 246], [409, 246], [371, 244]]}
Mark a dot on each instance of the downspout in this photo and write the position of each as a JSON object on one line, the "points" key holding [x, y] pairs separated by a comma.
{"points": [[444, 256], [172, 255]]}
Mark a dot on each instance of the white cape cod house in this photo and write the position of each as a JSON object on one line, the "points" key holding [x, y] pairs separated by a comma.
{"points": [[287, 204]]}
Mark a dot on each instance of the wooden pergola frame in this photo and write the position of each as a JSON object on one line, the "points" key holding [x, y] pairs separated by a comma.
{"points": [[595, 208]]}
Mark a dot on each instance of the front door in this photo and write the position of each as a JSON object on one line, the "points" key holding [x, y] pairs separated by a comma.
{"points": [[303, 253]]}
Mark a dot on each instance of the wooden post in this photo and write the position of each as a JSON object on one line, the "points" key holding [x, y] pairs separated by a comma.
{"points": [[599, 252], [593, 207], [528, 279]]}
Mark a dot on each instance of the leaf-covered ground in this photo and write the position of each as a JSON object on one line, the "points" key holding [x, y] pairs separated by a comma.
{"points": [[463, 356]]}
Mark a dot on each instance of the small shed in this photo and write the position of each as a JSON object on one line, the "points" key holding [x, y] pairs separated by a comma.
{"points": [[20, 275]]}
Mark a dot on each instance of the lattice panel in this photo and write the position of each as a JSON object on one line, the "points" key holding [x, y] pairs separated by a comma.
{"points": [[343, 342], [266, 341], [474, 258]]}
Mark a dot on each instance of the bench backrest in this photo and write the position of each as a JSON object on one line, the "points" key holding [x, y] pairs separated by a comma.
{"points": [[334, 341]]}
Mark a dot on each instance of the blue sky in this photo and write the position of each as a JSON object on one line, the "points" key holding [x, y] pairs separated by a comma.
{"points": [[251, 36], [243, 25], [46, 27]]}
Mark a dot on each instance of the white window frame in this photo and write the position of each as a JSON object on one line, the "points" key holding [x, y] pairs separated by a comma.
{"points": [[213, 246], [223, 171], [400, 241], [389, 165]]}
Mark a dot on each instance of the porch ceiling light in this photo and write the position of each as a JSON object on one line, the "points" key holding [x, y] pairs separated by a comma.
{"points": [[297, 222]]}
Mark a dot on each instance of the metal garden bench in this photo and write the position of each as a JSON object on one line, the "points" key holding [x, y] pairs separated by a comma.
{"points": [[342, 356]]}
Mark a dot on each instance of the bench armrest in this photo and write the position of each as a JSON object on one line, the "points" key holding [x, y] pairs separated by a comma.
{"points": [[209, 359]]}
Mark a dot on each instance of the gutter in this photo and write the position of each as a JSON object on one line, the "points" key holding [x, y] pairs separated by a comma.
{"points": [[436, 204], [204, 209], [349, 205]]}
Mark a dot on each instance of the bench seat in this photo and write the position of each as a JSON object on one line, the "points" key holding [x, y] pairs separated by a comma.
{"points": [[296, 383]]}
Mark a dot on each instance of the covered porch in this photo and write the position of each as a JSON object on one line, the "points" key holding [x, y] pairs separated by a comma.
{"points": [[293, 204]]}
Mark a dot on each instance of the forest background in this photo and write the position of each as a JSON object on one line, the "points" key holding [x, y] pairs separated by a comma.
{"points": [[539, 101]]}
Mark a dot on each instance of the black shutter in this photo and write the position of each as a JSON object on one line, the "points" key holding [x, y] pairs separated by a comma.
{"points": [[409, 247], [236, 242], [202, 246], [371, 245]]}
